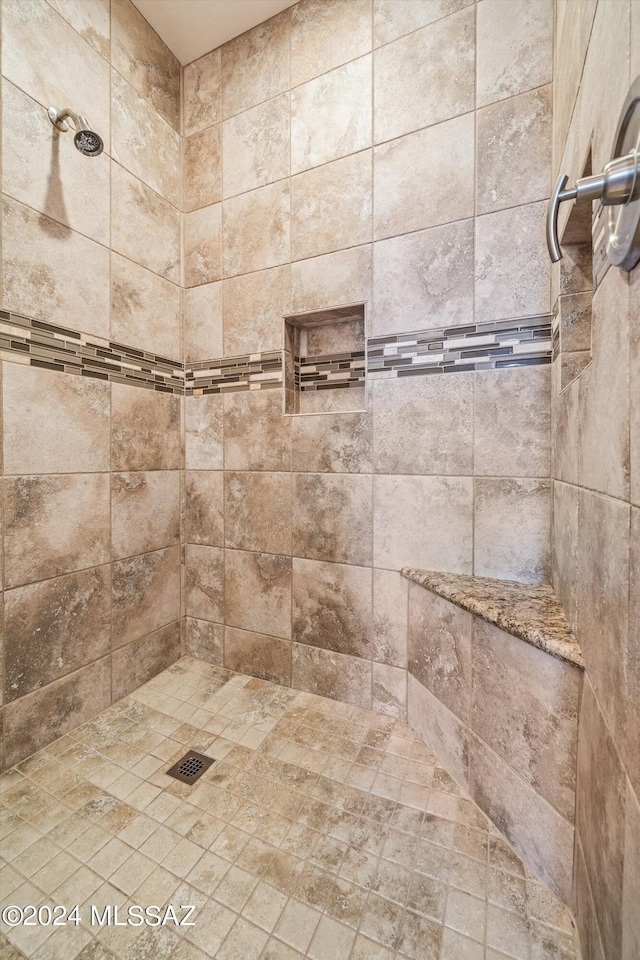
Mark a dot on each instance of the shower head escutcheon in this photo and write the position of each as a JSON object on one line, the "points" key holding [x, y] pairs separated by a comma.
{"points": [[85, 139]]}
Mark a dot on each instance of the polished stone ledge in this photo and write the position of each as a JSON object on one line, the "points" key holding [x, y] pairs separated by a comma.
{"points": [[525, 610]]}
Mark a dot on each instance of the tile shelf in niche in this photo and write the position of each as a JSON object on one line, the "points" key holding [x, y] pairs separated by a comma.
{"points": [[325, 361]]}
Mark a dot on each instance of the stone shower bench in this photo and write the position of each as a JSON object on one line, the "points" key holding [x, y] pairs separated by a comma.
{"points": [[494, 687]]}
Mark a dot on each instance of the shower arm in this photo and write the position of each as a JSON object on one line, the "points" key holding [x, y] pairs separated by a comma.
{"points": [[58, 117]]}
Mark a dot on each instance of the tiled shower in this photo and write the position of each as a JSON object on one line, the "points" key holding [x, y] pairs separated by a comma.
{"points": [[293, 332]]}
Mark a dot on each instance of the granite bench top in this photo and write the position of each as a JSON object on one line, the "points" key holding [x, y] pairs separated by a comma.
{"points": [[525, 610]]}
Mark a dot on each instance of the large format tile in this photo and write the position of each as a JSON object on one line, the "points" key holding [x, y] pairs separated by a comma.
{"points": [[146, 594], [327, 33], [332, 607], [256, 146], [336, 278], [332, 517], [202, 245], [202, 168], [512, 529], [257, 592], [256, 65], [205, 582], [634, 384], [145, 309], [515, 53], [395, 18], [564, 541], [145, 429], [631, 724], [255, 229], [144, 227], [54, 423], [55, 524], [631, 879], [202, 96], [266, 657], [333, 443], [333, 675], [205, 640], [202, 316], [204, 432], [257, 436], [143, 658], [254, 306], [91, 20], [440, 729], [257, 511], [204, 507], [390, 617], [145, 511]]}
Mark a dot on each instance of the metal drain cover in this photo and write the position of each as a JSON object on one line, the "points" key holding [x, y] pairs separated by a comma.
{"points": [[191, 767]]}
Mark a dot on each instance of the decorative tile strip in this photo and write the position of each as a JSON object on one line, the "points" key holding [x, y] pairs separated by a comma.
{"points": [[329, 372], [555, 337], [257, 371], [483, 346]]}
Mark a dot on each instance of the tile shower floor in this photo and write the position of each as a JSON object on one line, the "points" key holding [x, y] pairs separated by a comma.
{"points": [[323, 831]]}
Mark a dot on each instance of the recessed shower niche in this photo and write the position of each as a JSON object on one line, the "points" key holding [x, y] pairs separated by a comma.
{"points": [[325, 360]]}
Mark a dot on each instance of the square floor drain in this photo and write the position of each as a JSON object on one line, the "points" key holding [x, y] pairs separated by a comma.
{"points": [[191, 767]]}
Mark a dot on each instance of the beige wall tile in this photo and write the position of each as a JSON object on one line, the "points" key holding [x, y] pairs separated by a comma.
{"points": [[332, 607], [514, 52], [631, 690], [91, 20], [331, 207], [205, 582], [257, 511], [146, 594], [257, 436], [332, 517], [256, 65], [327, 33], [334, 279], [572, 37], [64, 185], [586, 921], [438, 410], [440, 730], [423, 522], [143, 658], [202, 96], [202, 245], [145, 511], [565, 548], [254, 306], [406, 199], [390, 617], [631, 881], [53, 525], [510, 244], [205, 640], [145, 429], [144, 227], [202, 311], [564, 428], [412, 86], [255, 231], [395, 18], [512, 529], [257, 592], [202, 168], [424, 279], [204, 507], [145, 308], [203, 433], [266, 657], [139, 54], [54, 627], [333, 675], [331, 115], [514, 135], [33, 721], [143, 142], [389, 690], [52, 273], [256, 146], [333, 443], [54, 423], [512, 439]]}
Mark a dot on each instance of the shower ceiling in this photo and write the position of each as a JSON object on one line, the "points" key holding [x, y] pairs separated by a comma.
{"points": [[190, 28]]}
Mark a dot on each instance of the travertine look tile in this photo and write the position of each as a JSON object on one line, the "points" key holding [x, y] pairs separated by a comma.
{"points": [[406, 200], [204, 507], [331, 115], [255, 230], [440, 649], [144, 227], [205, 640], [390, 602], [142, 659], [266, 657], [257, 592], [424, 279], [634, 382], [512, 439], [142, 142], [202, 104], [515, 136], [256, 434], [389, 690], [202, 245], [139, 54], [27, 138], [512, 529], [54, 627], [564, 428], [41, 404], [332, 517], [145, 511], [257, 511], [145, 429], [332, 606], [202, 168], [334, 443], [510, 244], [631, 881], [631, 723], [439, 729], [395, 18], [327, 33], [336, 278], [514, 53], [205, 582], [202, 308], [423, 522], [145, 308], [254, 306], [32, 722], [53, 525], [256, 146], [565, 549], [203, 433], [256, 65], [412, 86], [40, 276], [333, 675], [91, 20], [146, 594], [438, 410]]}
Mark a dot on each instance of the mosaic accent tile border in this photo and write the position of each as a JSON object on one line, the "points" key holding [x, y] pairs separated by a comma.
{"points": [[482, 346], [329, 372], [258, 371]]}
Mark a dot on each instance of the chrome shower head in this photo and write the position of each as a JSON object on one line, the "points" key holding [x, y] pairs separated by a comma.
{"points": [[85, 139]]}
